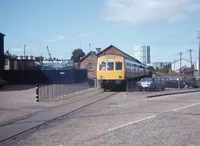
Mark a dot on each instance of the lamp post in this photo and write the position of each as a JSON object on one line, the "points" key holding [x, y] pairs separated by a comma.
{"points": [[198, 37]]}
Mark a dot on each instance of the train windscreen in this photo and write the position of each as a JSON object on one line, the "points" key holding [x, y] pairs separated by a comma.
{"points": [[102, 66], [118, 66], [110, 66]]}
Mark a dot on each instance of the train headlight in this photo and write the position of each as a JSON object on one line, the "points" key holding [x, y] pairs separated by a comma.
{"points": [[120, 76]]}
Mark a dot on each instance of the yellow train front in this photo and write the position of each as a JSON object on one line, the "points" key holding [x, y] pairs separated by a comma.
{"points": [[114, 70]]}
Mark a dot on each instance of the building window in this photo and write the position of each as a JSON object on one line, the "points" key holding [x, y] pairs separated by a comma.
{"points": [[90, 67], [110, 66], [118, 66]]}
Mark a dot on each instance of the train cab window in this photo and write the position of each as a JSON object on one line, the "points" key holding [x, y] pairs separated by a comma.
{"points": [[102, 66], [118, 66], [110, 66]]}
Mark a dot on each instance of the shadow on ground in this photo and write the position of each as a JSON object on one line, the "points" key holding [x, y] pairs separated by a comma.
{"points": [[16, 87]]}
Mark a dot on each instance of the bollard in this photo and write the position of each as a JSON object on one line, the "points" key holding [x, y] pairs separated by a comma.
{"points": [[37, 93]]}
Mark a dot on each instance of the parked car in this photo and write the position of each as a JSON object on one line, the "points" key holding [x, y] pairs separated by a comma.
{"points": [[190, 83], [151, 83], [180, 82], [174, 82]]}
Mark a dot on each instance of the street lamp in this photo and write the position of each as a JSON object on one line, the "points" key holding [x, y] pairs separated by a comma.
{"points": [[198, 37]]}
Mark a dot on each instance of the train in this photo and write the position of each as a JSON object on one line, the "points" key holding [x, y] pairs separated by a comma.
{"points": [[115, 70]]}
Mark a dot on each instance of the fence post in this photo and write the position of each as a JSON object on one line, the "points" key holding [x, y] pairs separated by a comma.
{"points": [[95, 83], [127, 86], [132, 86], [37, 93]]}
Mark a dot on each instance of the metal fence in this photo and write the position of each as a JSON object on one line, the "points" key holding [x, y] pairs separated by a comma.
{"points": [[198, 82], [48, 92], [131, 85]]}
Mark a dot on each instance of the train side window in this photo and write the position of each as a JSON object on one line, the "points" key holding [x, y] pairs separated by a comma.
{"points": [[102, 66], [118, 66], [135, 68], [110, 66]]}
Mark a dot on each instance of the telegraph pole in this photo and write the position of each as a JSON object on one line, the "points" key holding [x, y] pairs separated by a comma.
{"points": [[190, 57], [174, 65], [24, 50], [180, 60], [198, 37], [190, 50]]}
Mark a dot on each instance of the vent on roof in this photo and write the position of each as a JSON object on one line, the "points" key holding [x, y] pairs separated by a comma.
{"points": [[98, 50]]}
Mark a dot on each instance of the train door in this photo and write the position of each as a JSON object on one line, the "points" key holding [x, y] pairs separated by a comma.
{"points": [[119, 69], [137, 71]]}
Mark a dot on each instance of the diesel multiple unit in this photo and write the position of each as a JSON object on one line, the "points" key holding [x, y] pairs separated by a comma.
{"points": [[114, 70]]}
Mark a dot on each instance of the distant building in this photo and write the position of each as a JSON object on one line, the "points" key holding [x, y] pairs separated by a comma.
{"points": [[89, 62], [19, 63], [159, 65], [175, 66], [1, 52], [196, 65], [142, 53]]}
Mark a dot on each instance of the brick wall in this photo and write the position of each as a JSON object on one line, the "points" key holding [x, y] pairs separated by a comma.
{"points": [[91, 59]]}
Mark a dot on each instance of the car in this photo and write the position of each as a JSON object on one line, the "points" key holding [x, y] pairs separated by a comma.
{"points": [[180, 82], [190, 83], [174, 82], [151, 83]]}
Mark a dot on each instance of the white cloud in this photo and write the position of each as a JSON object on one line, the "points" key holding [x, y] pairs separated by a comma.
{"points": [[58, 38], [73, 37], [84, 35], [147, 11]]}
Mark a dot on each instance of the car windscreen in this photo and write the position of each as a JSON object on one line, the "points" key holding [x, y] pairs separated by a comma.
{"points": [[146, 79]]}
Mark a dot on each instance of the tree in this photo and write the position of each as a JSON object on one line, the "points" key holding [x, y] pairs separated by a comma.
{"points": [[152, 69], [8, 55], [166, 69], [93, 52], [77, 54], [157, 69]]}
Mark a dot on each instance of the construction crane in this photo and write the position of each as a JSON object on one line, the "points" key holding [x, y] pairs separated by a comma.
{"points": [[50, 57]]}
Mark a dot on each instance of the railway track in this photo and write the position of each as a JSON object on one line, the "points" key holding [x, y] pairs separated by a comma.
{"points": [[103, 95], [91, 94]]}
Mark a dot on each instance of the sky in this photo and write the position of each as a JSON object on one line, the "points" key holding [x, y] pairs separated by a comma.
{"points": [[167, 26]]}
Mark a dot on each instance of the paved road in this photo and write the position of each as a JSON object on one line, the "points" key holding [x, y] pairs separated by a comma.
{"points": [[19, 101], [125, 120]]}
